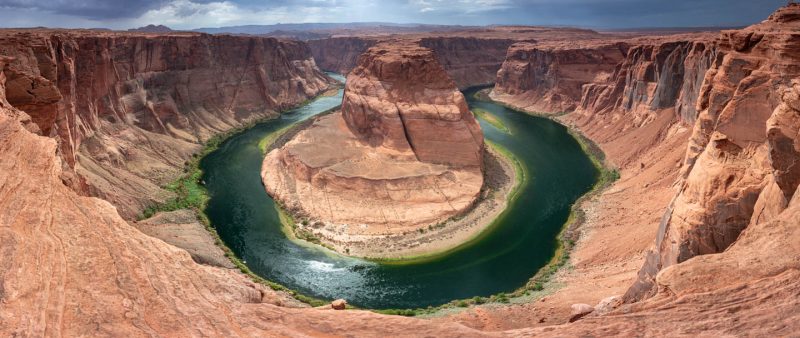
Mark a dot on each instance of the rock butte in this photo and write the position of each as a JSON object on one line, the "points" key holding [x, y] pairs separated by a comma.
{"points": [[404, 152], [713, 146]]}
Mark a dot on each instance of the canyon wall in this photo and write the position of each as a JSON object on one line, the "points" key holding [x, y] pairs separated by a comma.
{"points": [[339, 54], [656, 74], [550, 77], [637, 75], [740, 167], [130, 109], [72, 266], [727, 232], [613, 86], [726, 260], [469, 61]]}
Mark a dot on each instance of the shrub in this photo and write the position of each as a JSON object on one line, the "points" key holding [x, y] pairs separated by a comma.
{"points": [[502, 298]]}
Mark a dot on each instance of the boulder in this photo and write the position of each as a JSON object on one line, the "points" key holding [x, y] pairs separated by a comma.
{"points": [[579, 311], [339, 304]]}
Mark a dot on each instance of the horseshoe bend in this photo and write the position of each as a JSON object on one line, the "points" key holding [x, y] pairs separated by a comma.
{"points": [[403, 154], [374, 179]]}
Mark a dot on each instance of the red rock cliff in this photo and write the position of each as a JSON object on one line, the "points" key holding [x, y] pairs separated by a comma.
{"points": [[339, 54], [726, 234], [739, 172], [71, 266], [550, 77], [129, 109], [656, 74], [469, 61], [394, 95]]}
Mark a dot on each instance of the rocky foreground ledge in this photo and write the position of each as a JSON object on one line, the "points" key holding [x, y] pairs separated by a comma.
{"points": [[404, 154]]}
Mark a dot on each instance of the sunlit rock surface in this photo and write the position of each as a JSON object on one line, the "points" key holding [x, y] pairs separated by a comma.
{"points": [[129, 109]]}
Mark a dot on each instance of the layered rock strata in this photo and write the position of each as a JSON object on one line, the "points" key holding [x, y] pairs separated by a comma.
{"points": [[469, 61], [471, 57], [550, 77], [739, 172], [403, 153], [339, 54], [129, 109], [656, 74], [723, 244]]}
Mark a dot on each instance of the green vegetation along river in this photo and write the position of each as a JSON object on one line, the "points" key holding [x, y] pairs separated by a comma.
{"points": [[523, 240]]}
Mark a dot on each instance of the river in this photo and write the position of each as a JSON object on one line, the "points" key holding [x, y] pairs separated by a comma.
{"points": [[504, 259]]}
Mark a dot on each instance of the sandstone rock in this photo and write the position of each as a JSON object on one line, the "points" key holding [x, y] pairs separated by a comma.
{"points": [[607, 304], [400, 98], [405, 152], [470, 57], [340, 54], [655, 75], [182, 229], [339, 304], [129, 109], [469, 61], [597, 77], [579, 311], [71, 266], [549, 78], [735, 93], [737, 171]]}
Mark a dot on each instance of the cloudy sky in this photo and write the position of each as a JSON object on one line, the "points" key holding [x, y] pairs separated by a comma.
{"points": [[187, 14]]}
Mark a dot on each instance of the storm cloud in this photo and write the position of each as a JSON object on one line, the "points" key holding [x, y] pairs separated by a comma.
{"points": [[187, 14]]}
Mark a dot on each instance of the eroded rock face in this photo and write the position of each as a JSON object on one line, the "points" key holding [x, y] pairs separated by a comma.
{"points": [[740, 167], [72, 266], [404, 152], [596, 77], [471, 57], [400, 98], [549, 78], [129, 109], [656, 74], [339, 54], [737, 92], [469, 61]]}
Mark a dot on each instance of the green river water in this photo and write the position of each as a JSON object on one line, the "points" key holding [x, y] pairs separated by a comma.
{"points": [[522, 241]]}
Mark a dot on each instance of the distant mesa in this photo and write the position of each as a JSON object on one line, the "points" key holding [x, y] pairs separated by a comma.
{"points": [[152, 29]]}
